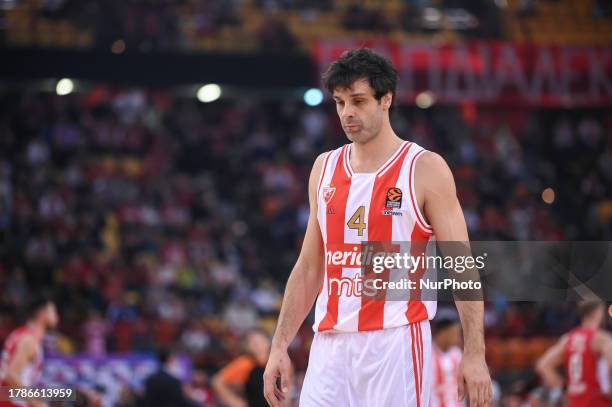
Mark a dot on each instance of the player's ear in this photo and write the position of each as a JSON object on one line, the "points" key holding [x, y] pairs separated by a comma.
{"points": [[386, 101]]}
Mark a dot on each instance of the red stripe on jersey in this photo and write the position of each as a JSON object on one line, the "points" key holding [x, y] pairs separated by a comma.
{"points": [[335, 235], [413, 198], [380, 229], [580, 360], [347, 164], [420, 344], [439, 386], [421, 354], [400, 154], [414, 366], [418, 244]]}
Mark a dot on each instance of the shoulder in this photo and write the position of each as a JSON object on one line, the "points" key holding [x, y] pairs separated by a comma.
{"points": [[431, 161], [319, 164], [26, 340], [602, 340], [323, 157], [432, 170]]}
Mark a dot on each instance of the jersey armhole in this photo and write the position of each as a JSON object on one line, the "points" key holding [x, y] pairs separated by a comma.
{"points": [[420, 219], [322, 175]]}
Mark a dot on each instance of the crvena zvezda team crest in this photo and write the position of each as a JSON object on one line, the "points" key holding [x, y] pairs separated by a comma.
{"points": [[328, 193]]}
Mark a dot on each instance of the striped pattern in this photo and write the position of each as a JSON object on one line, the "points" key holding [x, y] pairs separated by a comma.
{"points": [[417, 360], [348, 194], [444, 391]]}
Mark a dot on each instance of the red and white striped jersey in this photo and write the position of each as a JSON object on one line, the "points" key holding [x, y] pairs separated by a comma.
{"points": [[31, 372], [444, 392], [367, 207], [582, 366]]}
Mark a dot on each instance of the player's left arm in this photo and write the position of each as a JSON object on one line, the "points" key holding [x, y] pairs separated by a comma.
{"points": [[602, 344], [435, 189], [547, 365]]}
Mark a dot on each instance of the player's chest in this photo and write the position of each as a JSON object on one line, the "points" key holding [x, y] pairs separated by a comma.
{"points": [[362, 208]]}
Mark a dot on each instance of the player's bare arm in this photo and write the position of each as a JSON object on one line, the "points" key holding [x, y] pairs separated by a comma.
{"points": [[300, 294], [226, 394], [24, 354], [437, 196], [548, 363], [602, 344]]}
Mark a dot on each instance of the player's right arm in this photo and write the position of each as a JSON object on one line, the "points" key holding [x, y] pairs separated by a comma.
{"points": [[24, 353], [547, 365], [602, 344], [300, 293]]}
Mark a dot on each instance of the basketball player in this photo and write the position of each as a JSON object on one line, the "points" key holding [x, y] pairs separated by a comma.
{"points": [[369, 352], [22, 356], [580, 352], [446, 360]]}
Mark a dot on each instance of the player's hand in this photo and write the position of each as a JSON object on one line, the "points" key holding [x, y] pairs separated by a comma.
{"points": [[474, 381], [279, 366]]}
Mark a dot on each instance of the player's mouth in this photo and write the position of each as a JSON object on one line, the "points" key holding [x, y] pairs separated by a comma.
{"points": [[351, 127]]}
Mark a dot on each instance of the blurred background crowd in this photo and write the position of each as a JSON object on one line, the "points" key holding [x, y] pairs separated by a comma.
{"points": [[157, 220]]}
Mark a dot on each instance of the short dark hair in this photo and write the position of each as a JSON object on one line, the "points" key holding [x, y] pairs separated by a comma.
{"points": [[252, 331], [585, 308], [36, 304], [358, 64], [443, 324], [164, 354]]}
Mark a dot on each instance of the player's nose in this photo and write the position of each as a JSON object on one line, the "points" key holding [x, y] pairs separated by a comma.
{"points": [[348, 112]]}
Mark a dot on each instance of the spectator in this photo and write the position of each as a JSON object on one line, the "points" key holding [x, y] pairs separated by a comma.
{"points": [[162, 388]]}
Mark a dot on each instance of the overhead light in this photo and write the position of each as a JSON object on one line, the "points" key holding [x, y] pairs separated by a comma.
{"points": [[209, 93], [425, 100], [432, 15], [548, 195], [313, 97], [64, 87], [118, 47]]}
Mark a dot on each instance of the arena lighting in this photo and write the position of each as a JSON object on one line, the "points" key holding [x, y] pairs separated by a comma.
{"points": [[64, 87], [548, 195], [313, 97], [432, 15], [118, 47], [425, 100], [209, 93]]}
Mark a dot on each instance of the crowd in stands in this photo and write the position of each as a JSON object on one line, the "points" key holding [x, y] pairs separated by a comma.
{"points": [[160, 221], [293, 25]]}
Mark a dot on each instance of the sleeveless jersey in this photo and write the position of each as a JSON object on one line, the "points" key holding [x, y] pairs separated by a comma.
{"points": [[31, 372], [581, 367], [445, 369], [367, 207]]}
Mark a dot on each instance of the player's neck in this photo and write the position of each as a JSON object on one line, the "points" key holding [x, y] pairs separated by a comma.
{"points": [[37, 329], [442, 348], [370, 156], [590, 324]]}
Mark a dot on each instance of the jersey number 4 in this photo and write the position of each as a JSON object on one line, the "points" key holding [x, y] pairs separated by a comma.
{"points": [[357, 221]]}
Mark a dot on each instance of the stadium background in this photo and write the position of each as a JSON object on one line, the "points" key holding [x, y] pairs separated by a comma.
{"points": [[158, 219]]}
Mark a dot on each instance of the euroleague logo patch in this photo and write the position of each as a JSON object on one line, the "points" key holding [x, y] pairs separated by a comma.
{"points": [[394, 198]]}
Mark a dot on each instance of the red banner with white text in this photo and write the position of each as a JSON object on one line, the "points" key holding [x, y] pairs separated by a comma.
{"points": [[492, 72]]}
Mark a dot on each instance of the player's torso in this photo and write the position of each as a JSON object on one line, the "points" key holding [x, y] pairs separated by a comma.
{"points": [[445, 369], [32, 370], [354, 208], [581, 366]]}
